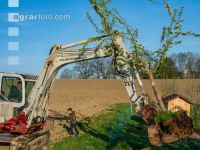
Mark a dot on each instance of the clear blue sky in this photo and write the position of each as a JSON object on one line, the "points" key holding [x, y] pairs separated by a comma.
{"points": [[37, 37]]}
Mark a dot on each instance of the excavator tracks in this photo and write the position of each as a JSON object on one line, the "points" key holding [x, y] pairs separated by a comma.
{"points": [[33, 141]]}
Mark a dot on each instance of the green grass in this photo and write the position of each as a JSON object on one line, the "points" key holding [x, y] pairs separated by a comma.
{"points": [[196, 123], [164, 116], [116, 129]]}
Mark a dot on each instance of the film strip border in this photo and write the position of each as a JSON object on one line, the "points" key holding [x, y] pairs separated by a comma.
{"points": [[13, 32]]}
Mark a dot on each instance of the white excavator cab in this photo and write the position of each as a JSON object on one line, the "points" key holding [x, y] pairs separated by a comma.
{"points": [[14, 89]]}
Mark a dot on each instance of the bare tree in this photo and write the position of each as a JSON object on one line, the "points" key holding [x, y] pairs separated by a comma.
{"points": [[102, 68], [84, 70], [197, 67], [180, 60], [95, 69], [191, 64], [66, 74], [187, 61]]}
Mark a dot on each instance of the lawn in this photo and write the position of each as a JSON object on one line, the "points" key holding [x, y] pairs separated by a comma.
{"points": [[117, 128]]}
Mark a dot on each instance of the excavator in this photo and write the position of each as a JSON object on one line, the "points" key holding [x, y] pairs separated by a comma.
{"points": [[22, 118]]}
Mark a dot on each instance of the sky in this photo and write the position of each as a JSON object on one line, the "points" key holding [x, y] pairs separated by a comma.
{"points": [[36, 37]]}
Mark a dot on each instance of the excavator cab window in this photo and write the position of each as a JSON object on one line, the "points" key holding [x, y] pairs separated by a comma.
{"points": [[11, 89]]}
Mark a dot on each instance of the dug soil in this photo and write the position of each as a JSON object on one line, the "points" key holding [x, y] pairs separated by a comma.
{"points": [[176, 128]]}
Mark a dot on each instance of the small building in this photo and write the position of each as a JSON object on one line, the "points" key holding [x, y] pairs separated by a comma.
{"points": [[176, 102]]}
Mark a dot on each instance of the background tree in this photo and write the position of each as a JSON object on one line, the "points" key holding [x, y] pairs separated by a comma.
{"points": [[187, 62], [102, 68], [92, 69], [84, 69], [167, 69], [190, 65], [197, 66], [181, 60], [67, 74]]}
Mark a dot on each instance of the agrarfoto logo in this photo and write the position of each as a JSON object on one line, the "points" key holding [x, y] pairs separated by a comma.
{"points": [[40, 17]]}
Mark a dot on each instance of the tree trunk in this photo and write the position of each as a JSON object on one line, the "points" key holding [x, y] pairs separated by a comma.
{"points": [[156, 91]]}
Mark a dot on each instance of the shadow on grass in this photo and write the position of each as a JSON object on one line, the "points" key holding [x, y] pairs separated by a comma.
{"points": [[87, 129], [126, 134], [134, 134]]}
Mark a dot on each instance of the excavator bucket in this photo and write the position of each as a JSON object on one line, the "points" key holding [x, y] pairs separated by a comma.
{"points": [[165, 132]]}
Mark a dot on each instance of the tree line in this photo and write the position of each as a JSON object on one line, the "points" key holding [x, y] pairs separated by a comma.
{"points": [[101, 68], [176, 66]]}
